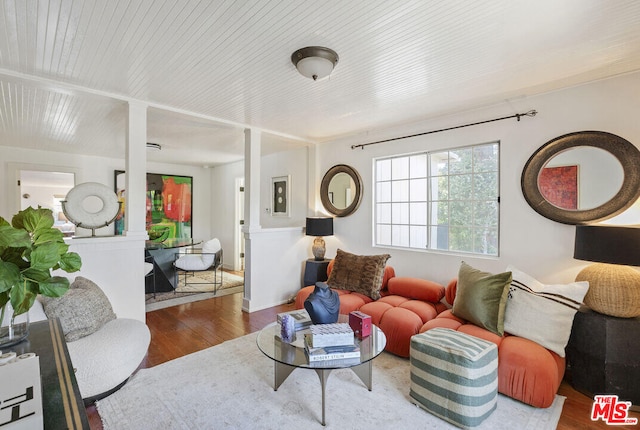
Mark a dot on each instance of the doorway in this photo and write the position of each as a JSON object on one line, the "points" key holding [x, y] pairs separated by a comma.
{"points": [[39, 188], [239, 224]]}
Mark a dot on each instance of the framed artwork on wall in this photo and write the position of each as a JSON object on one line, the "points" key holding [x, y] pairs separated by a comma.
{"points": [[559, 185], [169, 205], [280, 194]]}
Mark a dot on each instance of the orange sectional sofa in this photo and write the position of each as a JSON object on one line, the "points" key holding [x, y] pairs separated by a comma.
{"points": [[405, 306], [527, 371]]}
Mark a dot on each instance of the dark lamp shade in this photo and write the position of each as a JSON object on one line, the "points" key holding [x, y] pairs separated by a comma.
{"points": [[608, 244], [317, 226]]}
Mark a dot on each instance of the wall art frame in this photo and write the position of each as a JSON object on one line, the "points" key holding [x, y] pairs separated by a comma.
{"points": [[559, 186], [280, 195], [169, 205]]}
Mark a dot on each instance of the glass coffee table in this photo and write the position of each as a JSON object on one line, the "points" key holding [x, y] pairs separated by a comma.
{"points": [[288, 357]]}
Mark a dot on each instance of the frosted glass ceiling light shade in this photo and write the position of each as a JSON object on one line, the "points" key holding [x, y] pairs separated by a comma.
{"points": [[314, 62]]}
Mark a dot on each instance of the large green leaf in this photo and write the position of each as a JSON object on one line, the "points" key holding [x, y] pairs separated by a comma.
{"points": [[55, 286], [9, 275], [44, 235], [62, 248], [13, 237], [36, 275], [70, 262], [32, 219], [45, 256], [14, 255], [4, 299], [23, 296], [18, 219]]}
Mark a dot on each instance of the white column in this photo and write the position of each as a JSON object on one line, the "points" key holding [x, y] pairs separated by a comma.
{"points": [[135, 166], [252, 149], [313, 181]]}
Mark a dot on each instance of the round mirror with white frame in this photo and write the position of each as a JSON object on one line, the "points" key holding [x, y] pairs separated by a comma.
{"points": [[582, 177]]}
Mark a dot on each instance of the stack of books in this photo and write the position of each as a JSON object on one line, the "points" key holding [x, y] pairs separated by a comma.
{"points": [[300, 316], [325, 342]]}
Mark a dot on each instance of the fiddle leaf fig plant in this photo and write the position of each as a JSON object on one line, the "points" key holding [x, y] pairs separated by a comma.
{"points": [[30, 248]]}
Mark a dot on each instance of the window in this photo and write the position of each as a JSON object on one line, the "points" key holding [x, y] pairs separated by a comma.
{"points": [[443, 200]]}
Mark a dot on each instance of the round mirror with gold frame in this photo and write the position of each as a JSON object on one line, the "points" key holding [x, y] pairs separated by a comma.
{"points": [[341, 190], [562, 190]]}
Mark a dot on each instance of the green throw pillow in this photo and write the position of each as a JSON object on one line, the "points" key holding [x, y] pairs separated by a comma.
{"points": [[481, 298]]}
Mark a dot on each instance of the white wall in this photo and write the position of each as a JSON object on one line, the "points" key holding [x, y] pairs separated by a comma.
{"points": [[275, 257], [116, 264], [275, 253], [223, 208], [293, 164], [532, 243], [111, 263], [41, 195], [529, 241], [96, 169]]}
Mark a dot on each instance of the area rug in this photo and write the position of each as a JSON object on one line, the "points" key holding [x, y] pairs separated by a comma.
{"points": [[230, 386], [231, 284], [203, 282]]}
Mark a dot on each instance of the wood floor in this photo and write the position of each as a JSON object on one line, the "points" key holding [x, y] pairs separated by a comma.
{"points": [[183, 329]]}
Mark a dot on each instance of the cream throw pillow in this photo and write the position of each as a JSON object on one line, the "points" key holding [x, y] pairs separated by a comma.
{"points": [[542, 313], [82, 310]]}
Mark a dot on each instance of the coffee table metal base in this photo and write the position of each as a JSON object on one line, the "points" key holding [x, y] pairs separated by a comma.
{"points": [[282, 371]]}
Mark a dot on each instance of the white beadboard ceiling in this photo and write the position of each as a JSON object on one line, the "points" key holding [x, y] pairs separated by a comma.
{"points": [[208, 69]]}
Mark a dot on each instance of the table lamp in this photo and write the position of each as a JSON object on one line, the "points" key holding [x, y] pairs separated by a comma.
{"points": [[614, 287], [319, 226]]}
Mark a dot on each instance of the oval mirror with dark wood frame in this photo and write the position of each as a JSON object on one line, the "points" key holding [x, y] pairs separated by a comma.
{"points": [[341, 190], [626, 154]]}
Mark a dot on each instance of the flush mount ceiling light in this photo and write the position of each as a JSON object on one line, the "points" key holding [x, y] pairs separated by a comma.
{"points": [[315, 62], [153, 146]]}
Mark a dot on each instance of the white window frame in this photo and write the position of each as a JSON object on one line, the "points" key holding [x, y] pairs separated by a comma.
{"points": [[399, 195]]}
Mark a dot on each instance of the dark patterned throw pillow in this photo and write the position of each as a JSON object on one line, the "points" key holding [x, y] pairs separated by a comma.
{"points": [[358, 273]]}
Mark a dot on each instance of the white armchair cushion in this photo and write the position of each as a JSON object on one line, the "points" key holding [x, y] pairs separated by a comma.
{"points": [[201, 261], [191, 262], [106, 358], [211, 246]]}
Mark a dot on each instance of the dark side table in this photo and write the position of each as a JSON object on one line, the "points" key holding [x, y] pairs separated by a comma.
{"points": [[603, 355], [315, 271], [62, 405]]}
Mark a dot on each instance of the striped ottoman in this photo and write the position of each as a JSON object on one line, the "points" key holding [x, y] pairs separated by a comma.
{"points": [[454, 376]]}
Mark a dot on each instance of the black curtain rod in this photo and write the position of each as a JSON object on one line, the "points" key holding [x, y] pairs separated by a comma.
{"points": [[531, 113]]}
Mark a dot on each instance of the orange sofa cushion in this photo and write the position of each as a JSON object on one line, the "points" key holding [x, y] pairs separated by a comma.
{"points": [[349, 301], [397, 315], [527, 371], [415, 288], [399, 318]]}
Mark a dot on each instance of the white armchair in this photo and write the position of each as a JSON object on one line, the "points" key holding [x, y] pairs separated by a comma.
{"points": [[208, 258]]}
